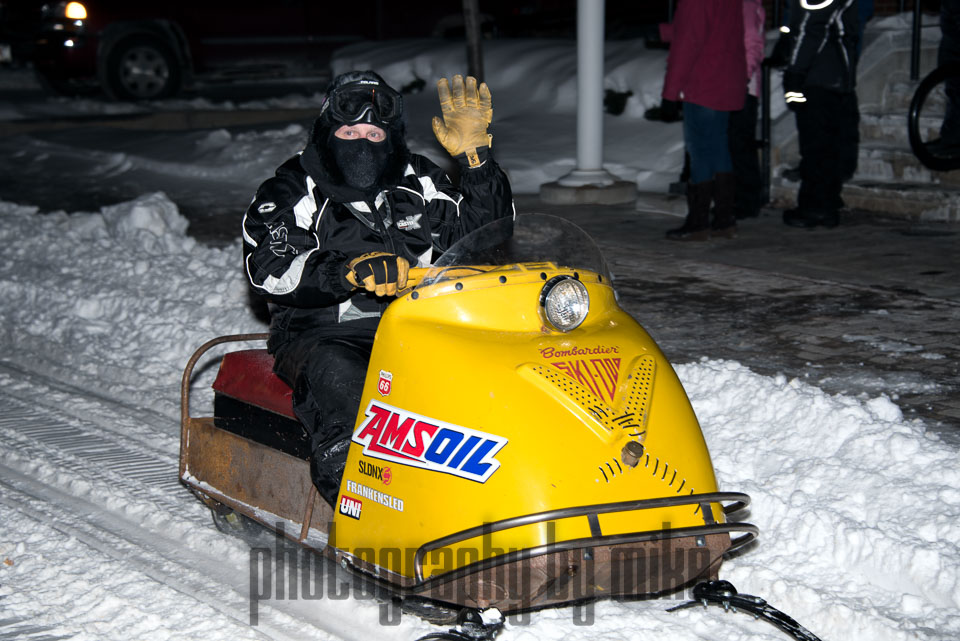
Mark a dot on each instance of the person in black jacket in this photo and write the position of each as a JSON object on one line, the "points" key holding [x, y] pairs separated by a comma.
{"points": [[819, 53], [329, 239]]}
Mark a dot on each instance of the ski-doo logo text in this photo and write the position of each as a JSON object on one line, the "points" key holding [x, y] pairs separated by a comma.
{"points": [[391, 434], [350, 506]]}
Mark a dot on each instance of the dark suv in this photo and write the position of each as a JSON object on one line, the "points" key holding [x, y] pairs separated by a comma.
{"points": [[137, 50], [146, 50]]}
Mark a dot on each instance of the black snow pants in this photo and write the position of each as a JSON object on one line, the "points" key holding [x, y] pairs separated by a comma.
{"points": [[828, 130], [744, 154], [326, 374]]}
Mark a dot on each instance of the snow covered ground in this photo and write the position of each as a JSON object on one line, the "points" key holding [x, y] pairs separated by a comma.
{"points": [[859, 509]]}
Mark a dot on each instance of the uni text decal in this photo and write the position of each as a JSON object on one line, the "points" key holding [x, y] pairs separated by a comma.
{"points": [[350, 506], [599, 375], [392, 434]]}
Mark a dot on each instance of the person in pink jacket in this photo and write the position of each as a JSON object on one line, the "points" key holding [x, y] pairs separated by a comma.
{"points": [[707, 71]]}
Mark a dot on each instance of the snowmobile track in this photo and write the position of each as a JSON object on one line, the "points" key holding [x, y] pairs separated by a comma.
{"points": [[122, 497]]}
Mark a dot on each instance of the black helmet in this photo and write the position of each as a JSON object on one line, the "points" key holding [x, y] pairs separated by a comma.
{"points": [[362, 96]]}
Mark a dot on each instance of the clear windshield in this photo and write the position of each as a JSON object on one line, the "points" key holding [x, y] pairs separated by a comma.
{"points": [[529, 238]]}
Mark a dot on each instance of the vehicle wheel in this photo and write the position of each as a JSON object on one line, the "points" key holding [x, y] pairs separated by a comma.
{"points": [[142, 68]]}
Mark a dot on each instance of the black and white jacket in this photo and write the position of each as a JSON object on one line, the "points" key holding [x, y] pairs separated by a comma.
{"points": [[304, 225], [823, 44]]}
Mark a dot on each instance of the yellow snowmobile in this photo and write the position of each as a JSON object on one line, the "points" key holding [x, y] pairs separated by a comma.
{"points": [[521, 442]]}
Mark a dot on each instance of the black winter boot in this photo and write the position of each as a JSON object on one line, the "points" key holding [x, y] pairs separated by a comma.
{"points": [[697, 224], [326, 468], [810, 218], [724, 222]]}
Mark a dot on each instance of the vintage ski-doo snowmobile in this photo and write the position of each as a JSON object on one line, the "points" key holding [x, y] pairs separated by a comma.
{"points": [[522, 441]]}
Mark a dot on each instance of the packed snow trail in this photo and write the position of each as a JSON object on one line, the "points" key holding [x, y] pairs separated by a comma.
{"points": [[95, 500], [859, 509]]}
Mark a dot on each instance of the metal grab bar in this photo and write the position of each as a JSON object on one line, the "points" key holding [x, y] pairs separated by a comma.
{"points": [[739, 502]]}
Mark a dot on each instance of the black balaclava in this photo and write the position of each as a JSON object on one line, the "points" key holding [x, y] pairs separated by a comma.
{"points": [[361, 162], [353, 170]]}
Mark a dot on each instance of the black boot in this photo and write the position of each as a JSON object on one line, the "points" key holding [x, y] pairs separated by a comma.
{"points": [[810, 218], [724, 222], [697, 224], [326, 468]]}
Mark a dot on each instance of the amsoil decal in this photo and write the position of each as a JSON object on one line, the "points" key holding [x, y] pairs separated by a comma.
{"points": [[376, 496], [385, 383], [350, 506], [599, 375], [382, 474], [391, 434]]}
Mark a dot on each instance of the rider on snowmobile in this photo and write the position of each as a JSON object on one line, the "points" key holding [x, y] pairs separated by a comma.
{"points": [[331, 236]]}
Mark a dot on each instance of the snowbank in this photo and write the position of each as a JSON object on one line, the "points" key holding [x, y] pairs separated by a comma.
{"points": [[859, 510]]}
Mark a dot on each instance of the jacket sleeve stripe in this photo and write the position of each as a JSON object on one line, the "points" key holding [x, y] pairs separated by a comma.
{"points": [[247, 238], [430, 191], [287, 282], [306, 207]]}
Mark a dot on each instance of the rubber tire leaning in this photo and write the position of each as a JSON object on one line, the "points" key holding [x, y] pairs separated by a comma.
{"points": [[917, 144], [142, 68]]}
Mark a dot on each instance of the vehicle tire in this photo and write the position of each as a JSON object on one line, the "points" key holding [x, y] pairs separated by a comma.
{"points": [[142, 68]]}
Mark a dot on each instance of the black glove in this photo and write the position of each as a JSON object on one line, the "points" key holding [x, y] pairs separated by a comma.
{"points": [[668, 111], [780, 55], [793, 89], [378, 272]]}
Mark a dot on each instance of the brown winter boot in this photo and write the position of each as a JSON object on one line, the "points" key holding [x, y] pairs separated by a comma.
{"points": [[724, 223], [697, 224]]}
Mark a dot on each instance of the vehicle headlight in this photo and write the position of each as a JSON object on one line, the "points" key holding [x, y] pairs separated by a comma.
{"points": [[565, 302], [75, 11]]}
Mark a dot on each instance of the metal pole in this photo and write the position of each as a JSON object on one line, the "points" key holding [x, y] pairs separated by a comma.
{"points": [[590, 84], [915, 45], [471, 23], [589, 169], [765, 141]]}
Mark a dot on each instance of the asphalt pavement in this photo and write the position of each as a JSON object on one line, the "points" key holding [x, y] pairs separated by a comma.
{"points": [[870, 307]]}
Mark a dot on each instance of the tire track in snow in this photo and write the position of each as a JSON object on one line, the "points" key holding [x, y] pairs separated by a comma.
{"points": [[78, 473]]}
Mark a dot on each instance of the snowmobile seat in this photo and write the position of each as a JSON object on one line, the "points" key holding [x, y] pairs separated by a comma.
{"points": [[253, 402]]}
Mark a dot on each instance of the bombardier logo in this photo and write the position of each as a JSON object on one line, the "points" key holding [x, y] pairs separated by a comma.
{"points": [[391, 434]]}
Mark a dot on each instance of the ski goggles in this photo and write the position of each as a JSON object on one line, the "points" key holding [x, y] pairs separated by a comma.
{"points": [[356, 101]]}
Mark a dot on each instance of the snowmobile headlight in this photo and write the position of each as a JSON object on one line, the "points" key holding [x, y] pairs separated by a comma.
{"points": [[565, 302]]}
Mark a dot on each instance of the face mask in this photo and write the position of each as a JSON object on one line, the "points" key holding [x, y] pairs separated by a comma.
{"points": [[360, 161]]}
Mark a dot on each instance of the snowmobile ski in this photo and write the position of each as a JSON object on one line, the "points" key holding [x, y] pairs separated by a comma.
{"points": [[724, 594], [472, 625]]}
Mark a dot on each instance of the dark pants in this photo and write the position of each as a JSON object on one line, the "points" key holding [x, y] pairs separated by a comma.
{"points": [[327, 375], [705, 138], [744, 154], [828, 130]]}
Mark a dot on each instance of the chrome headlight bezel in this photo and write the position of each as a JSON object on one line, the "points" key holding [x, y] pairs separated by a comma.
{"points": [[564, 302]]}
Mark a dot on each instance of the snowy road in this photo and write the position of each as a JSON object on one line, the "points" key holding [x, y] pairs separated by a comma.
{"points": [[96, 499]]}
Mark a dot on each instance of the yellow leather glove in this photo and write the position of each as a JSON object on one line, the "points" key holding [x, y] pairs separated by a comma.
{"points": [[466, 113], [378, 272]]}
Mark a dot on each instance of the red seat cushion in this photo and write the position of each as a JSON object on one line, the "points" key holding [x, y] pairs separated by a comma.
{"points": [[247, 376]]}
